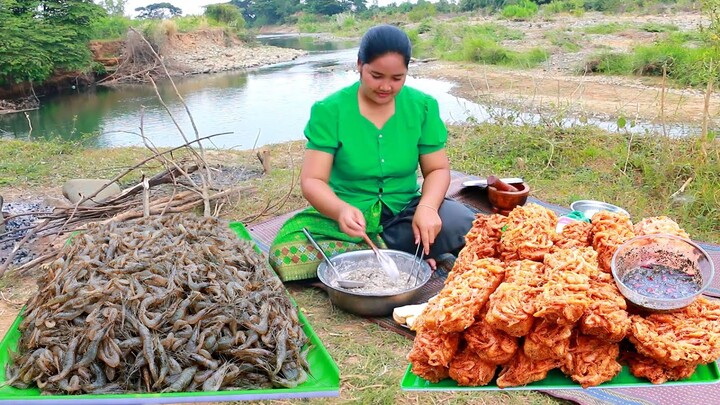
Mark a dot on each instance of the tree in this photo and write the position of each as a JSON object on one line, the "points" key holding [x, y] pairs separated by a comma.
{"points": [[262, 12], [41, 36], [225, 13], [327, 7], [158, 11], [114, 7]]}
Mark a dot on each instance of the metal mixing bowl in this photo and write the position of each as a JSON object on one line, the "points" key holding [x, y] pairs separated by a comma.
{"points": [[665, 250], [591, 207], [373, 303]]}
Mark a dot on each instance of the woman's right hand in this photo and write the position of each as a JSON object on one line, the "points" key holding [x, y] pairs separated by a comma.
{"points": [[351, 221]]}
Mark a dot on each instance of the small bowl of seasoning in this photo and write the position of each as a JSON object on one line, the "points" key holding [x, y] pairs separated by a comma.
{"points": [[661, 272]]}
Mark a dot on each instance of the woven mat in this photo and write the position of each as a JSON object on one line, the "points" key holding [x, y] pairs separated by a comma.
{"points": [[264, 233]]}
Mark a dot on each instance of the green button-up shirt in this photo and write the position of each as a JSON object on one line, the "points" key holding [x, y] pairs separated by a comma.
{"points": [[372, 164]]}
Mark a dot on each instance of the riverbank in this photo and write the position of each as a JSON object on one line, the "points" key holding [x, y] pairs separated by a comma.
{"points": [[564, 84], [183, 54], [212, 51]]}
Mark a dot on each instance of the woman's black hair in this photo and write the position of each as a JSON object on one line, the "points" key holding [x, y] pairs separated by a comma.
{"points": [[382, 39]]}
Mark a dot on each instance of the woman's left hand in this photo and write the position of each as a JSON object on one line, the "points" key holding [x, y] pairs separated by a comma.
{"points": [[426, 226]]}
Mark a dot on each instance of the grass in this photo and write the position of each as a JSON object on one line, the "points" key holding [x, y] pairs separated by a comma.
{"points": [[684, 61], [563, 39], [560, 164], [606, 28], [564, 165], [475, 43]]}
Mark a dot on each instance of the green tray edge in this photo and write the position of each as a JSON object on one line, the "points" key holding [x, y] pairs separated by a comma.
{"points": [[556, 380], [324, 376]]}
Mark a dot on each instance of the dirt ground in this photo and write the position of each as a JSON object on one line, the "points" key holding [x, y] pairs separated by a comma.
{"points": [[556, 86]]}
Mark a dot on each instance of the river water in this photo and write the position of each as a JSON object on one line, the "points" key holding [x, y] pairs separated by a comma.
{"points": [[258, 107]]}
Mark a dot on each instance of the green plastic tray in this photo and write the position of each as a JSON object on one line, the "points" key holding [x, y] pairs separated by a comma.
{"points": [[323, 379], [556, 380]]}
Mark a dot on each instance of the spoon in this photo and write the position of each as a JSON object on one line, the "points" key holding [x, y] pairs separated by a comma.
{"points": [[341, 281], [386, 262]]}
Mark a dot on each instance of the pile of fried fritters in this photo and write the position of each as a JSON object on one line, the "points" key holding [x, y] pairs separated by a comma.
{"points": [[525, 299]]}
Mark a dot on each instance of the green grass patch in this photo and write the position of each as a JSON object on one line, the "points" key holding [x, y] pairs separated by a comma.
{"points": [[523, 10], [110, 27], [574, 7], [474, 43], [605, 29], [684, 63], [657, 27], [564, 40], [639, 173]]}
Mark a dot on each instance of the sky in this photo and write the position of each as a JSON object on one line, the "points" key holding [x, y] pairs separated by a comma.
{"points": [[195, 6]]}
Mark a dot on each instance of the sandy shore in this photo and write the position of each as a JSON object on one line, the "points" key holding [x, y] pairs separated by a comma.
{"points": [[213, 52]]}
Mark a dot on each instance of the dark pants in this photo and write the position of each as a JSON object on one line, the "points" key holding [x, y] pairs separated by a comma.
{"points": [[456, 222]]}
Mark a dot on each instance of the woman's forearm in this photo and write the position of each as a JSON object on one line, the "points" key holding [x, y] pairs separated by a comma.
{"points": [[322, 197], [435, 187]]}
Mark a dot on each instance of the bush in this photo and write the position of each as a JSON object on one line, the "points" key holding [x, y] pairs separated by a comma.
{"points": [[575, 7], [224, 12], [605, 29], [192, 23], [484, 50], [523, 10], [110, 27], [609, 63], [656, 27], [422, 11], [563, 39]]}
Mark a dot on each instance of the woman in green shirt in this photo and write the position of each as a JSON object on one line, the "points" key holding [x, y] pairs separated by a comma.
{"points": [[359, 173]]}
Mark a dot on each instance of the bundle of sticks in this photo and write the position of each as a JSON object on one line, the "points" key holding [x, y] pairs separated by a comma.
{"points": [[180, 187]]}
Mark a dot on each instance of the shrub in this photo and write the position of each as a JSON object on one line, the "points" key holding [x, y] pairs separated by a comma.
{"points": [[609, 63], [605, 29], [223, 12], [656, 27], [110, 27], [523, 10], [422, 11]]}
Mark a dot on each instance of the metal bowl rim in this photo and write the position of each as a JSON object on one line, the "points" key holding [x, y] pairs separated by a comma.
{"points": [[321, 276], [706, 282], [601, 205]]}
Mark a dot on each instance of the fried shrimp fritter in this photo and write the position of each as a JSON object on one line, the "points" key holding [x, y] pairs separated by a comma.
{"points": [[522, 370], [606, 317], [483, 238], [529, 234], [512, 305], [690, 336], [548, 341], [610, 230], [575, 234], [645, 367], [491, 345], [564, 297], [592, 361], [432, 353], [468, 369], [459, 302], [661, 224]]}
